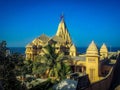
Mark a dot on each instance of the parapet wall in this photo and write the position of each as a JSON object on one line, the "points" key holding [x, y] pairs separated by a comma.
{"points": [[103, 84]]}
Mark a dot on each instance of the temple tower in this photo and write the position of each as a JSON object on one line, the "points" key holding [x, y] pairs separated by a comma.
{"points": [[73, 50], [92, 62], [103, 52], [63, 31]]}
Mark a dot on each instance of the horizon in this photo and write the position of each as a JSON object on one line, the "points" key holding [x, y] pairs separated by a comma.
{"points": [[79, 49], [24, 20], [76, 46]]}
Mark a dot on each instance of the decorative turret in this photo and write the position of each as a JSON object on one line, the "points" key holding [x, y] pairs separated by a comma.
{"points": [[73, 50], [63, 32], [92, 50], [103, 51], [92, 62]]}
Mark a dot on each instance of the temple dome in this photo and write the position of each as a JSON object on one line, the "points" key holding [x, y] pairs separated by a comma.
{"points": [[103, 48], [92, 49]]}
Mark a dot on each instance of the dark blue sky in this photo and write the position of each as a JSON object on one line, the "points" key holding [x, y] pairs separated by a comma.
{"points": [[23, 20]]}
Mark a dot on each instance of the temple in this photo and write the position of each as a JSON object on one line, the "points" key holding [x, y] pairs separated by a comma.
{"points": [[90, 63], [62, 42]]}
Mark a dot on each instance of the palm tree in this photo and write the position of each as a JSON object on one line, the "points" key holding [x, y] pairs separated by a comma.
{"points": [[38, 69], [55, 61]]}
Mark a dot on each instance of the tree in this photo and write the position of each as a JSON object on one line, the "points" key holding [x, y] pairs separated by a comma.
{"points": [[55, 63], [29, 65], [7, 70], [39, 69], [18, 60], [3, 48], [64, 71]]}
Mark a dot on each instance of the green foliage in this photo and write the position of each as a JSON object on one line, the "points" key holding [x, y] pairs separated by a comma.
{"points": [[3, 48], [51, 62], [15, 64], [64, 71], [46, 85], [38, 68], [18, 61], [57, 68], [7, 70], [28, 64]]}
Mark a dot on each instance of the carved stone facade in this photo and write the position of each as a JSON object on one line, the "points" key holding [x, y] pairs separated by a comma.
{"points": [[62, 42]]}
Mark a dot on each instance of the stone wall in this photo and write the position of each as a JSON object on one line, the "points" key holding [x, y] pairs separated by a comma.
{"points": [[103, 84]]}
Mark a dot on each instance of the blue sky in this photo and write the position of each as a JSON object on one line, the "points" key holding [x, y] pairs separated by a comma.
{"points": [[23, 20]]}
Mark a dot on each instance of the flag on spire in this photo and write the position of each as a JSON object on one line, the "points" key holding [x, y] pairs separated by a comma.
{"points": [[62, 16]]}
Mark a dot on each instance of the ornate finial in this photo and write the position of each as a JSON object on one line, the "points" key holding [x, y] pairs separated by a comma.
{"points": [[103, 43], [62, 16], [92, 41]]}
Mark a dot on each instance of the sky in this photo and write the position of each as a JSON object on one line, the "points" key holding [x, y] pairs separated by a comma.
{"points": [[23, 20]]}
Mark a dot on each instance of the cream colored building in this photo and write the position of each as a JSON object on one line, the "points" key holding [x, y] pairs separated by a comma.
{"points": [[62, 40], [103, 51], [89, 63], [92, 62]]}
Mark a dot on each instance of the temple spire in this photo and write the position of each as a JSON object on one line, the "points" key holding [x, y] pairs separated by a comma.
{"points": [[63, 31]]}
